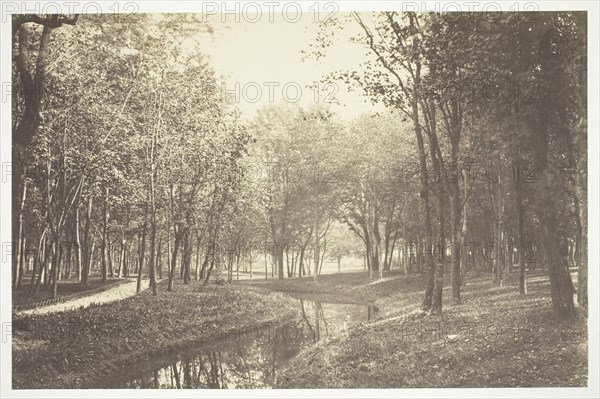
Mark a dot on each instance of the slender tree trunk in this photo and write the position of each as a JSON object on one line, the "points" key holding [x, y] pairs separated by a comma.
{"points": [[22, 257], [215, 255], [93, 256], [428, 297], [121, 269], [151, 265], [198, 255], [391, 256], [159, 257], [499, 237], [440, 246], [87, 252], [436, 306], [68, 258], [174, 259], [37, 261], [44, 266], [456, 225], [104, 235], [287, 261], [142, 251], [169, 251], [266, 266], [317, 238], [187, 255], [520, 235], [250, 261], [111, 271], [18, 259], [55, 263], [279, 257], [301, 261], [323, 252], [582, 288]]}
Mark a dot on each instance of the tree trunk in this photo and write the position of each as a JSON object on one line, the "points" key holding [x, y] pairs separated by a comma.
{"points": [[456, 225], [266, 266], [317, 250], [428, 297], [250, 262], [436, 306], [68, 259], [174, 259], [55, 264], [287, 261], [187, 255], [151, 262], [104, 235], [142, 251], [279, 257], [159, 257], [31, 85], [18, 259], [21, 261], [111, 271], [43, 267], [121, 269], [87, 255], [197, 272], [520, 235], [561, 285]]}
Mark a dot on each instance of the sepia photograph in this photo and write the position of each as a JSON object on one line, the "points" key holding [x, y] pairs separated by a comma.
{"points": [[382, 199]]}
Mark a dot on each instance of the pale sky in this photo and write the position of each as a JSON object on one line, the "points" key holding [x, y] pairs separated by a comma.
{"points": [[264, 59]]}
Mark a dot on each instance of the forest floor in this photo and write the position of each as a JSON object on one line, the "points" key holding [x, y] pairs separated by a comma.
{"points": [[75, 348], [21, 295], [494, 338]]}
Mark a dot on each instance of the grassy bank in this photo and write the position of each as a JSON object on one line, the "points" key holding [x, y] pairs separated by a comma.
{"points": [[74, 349], [355, 287], [495, 338]]}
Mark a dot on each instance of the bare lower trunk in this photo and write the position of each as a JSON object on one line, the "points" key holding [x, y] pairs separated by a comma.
{"points": [[142, 253], [187, 256], [87, 255], [104, 234], [279, 257], [18, 259], [55, 263], [198, 255], [121, 269], [173, 261], [151, 263], [520, 235], [561, 285]]}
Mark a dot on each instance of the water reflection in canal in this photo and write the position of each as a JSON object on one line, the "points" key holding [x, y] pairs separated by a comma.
{"points": [[248, 358]]}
